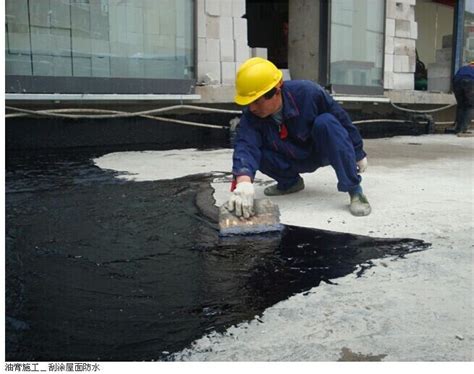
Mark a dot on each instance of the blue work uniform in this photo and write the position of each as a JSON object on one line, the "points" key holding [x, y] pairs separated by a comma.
{"points": [[463, 88], [315, 131]]}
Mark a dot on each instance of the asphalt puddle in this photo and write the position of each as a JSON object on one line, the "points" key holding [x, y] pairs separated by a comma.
{"points": [[102, 269]]}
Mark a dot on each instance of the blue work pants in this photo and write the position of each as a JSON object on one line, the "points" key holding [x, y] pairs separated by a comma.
{"points": [[464, 92], [331, 146]]}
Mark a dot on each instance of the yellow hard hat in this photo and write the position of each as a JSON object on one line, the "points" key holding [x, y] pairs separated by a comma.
{"points": [[255, 77]]}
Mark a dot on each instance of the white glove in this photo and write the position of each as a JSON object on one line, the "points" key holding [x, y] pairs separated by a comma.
{"points": [[362, 165], [241, 200]]}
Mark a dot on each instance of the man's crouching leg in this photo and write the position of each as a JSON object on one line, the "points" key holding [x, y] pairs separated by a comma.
{"points": [[334, 144]]}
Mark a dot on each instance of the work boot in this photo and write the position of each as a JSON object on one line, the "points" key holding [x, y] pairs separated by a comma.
{"points": [[275, 191], [359, 205]]}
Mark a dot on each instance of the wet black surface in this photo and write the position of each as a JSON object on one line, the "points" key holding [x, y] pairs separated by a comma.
{"points": [[102, 269]]}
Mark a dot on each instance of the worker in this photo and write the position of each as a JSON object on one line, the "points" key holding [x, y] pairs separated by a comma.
{"points": [[463, 87], [288, 128]]}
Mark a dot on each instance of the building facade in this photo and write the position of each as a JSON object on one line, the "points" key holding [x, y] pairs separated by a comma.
{"points": [[186, 47]]}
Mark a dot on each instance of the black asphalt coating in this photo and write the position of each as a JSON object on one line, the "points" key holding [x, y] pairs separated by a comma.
{"points": [[98, 268]]}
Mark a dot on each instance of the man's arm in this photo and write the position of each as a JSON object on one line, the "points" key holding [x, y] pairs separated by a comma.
{"points": [[246, 157]]}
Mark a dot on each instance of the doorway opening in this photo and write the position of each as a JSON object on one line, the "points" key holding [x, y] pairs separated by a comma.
{"points": [[268, 28], [434, 45]]}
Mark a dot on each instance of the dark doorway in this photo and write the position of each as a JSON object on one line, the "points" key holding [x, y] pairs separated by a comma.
{"points": [[268, 28]]}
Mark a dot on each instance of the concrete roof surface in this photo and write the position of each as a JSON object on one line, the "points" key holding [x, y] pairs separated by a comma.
{"points": [[414, 309]]}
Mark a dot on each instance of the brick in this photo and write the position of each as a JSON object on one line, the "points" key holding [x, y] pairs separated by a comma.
{"points": [[212, 27], [225, 28], [390, 27], [226, 8], [401, 10], [227, 50], [388, 62], [201, 19], [391, 9], [238, 8], [411, 64], [242, 51], [402, 28], [201, 49], [389, 45], [414, 30], [240, 28], [209, 72], [213, 50], [213, 7], [228, 72], [403, 81], [403, 46], [401, 64], [388, 80], [259, 52]]}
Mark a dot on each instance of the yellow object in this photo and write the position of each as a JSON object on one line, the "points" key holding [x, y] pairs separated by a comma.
{"points": [[255, 77]]}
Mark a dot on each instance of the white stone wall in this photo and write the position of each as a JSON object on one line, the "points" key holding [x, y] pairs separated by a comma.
{"points": [[401, 32], [221, 41]]}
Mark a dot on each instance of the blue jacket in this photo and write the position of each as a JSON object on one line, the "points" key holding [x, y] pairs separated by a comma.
{"points": [[303, 101], [465, 72]]}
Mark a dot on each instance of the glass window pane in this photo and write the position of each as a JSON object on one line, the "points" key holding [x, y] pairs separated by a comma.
{"points": [[100, 38], [357, 40], [468, 54]]}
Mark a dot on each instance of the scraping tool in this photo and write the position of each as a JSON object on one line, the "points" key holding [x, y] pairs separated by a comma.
{"points": [[266, 219]]}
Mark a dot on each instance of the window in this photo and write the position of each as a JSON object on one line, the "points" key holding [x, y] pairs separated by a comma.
{"points": [[468, 54], [357, 44], [98, 45]]}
